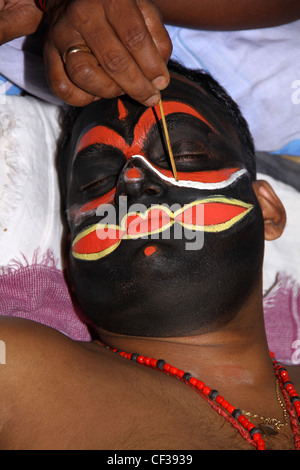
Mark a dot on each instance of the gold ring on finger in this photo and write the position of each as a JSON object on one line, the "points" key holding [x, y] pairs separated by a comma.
{"points": [[75, 49]]}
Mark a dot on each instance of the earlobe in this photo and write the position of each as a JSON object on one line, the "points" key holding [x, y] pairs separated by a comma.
{"points": [[273, 211]]}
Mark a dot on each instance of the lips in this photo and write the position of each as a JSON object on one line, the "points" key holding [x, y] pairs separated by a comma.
{"points": [[214, 214]]}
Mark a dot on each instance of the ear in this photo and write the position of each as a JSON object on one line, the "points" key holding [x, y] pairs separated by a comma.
{"points": [[273, 212]]}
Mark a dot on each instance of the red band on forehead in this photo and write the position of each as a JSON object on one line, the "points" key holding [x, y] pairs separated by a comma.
{"points": [[102, 135], [107, 136]]}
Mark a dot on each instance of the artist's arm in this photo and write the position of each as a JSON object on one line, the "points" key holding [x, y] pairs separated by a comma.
{"points": [[228, 14]]}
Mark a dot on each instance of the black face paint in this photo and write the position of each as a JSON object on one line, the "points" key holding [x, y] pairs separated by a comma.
{"points": [[151, 284]]}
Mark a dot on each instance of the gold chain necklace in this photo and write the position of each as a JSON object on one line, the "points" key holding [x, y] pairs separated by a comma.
{"points": [[271, 426]]}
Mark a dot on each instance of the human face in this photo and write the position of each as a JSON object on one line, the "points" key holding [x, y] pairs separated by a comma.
{"points": [[132, 282]]}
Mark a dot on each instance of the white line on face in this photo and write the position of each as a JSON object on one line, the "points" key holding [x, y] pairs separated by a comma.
{"points": [[193, 184]]}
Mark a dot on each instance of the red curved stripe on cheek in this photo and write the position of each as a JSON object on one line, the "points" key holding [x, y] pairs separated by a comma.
{"points": [[213, 213], [92, 243], [107, 198]]}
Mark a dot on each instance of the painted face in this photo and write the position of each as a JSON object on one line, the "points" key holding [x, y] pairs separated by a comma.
{"points": [[152, 256]]}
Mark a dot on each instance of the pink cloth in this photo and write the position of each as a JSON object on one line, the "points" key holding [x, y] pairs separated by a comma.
{"points": [[282, 319], [39, 292]]}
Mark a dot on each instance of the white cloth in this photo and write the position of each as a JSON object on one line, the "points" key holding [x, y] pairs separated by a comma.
{"points": [[21, 62], [29, 193], [259, 68], [283, 255]]}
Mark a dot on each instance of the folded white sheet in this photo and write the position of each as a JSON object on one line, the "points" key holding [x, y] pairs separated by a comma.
{"points": [[29, 193]]}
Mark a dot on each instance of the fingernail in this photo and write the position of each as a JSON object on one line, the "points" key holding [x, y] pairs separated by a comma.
{"points": [[153, 100], [160, 83]]}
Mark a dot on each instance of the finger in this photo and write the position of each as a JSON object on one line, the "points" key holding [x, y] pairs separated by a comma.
{"points": [[16, 22], [135, 36], [84, 71], [59, 82], [82, 67], [154, 21], [119, 64]]}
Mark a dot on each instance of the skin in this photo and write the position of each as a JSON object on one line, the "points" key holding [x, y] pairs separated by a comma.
{"points": [[132, 53], [61, 394], [120, 279]]}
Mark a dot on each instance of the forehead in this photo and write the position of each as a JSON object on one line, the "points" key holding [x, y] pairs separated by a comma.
{"points": [[123, 114]]}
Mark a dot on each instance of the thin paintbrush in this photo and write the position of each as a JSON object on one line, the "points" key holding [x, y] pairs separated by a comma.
{"points": [[168, 140]]}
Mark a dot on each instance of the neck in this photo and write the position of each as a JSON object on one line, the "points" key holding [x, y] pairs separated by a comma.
{"points": [[239, 350]]}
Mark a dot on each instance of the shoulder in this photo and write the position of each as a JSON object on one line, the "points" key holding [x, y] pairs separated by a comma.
{"points": [[31, 355], [23, 340]]}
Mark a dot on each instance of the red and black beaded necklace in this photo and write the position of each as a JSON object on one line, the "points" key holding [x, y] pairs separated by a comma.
{"points": [[218, 403]]}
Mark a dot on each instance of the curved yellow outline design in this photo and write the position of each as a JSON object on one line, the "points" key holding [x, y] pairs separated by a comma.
{"points": [[122, 228], [216, 227]]}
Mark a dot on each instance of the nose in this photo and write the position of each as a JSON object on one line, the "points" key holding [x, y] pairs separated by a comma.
{"points": [[138, 181]]}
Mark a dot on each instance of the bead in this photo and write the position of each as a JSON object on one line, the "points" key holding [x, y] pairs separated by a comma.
{"points": [[250, 426], [236, 413], [147, 361], [260, 444], [134, 357], [242, 419], [200, 385], [140, 359], [213, 394], [230, 409], [225, 403], [255, 433], [193, 381], [160, 364], [187, 376], [153, 362], [167, 367], [220, 400], [173, 370], [180, 373], [206, 390], [284, 373]]}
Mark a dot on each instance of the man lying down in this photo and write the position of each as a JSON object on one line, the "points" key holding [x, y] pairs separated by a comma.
{"points": [[169, 272]]}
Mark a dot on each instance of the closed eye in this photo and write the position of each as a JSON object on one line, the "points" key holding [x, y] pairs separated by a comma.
{"points": [[99, 183], [190, 157]]}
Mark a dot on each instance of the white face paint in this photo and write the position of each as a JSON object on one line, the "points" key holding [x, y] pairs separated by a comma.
{"points": [[193, 184]]}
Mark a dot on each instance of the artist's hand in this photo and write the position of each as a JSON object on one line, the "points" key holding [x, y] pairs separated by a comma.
{"points": [[18, 18], [129, 43]]}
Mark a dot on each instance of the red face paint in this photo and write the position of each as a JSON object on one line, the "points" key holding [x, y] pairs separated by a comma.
{"points": [[217, 214], [107, 136], [122, 111], [150, 250], [133, 174], [107, 198]]}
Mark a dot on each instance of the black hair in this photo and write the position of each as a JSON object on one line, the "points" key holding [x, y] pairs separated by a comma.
{"points": [[228, 106]]}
